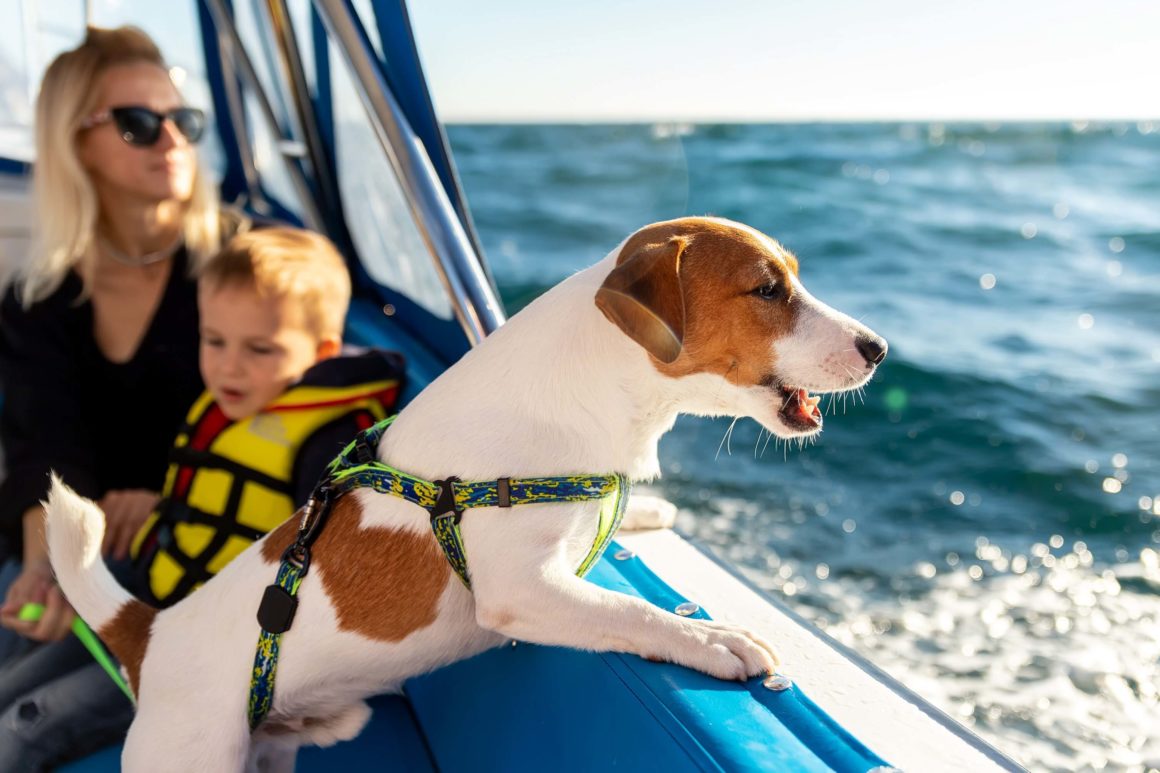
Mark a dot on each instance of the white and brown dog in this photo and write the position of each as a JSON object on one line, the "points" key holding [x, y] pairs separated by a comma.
{"points": [[697, 315]]}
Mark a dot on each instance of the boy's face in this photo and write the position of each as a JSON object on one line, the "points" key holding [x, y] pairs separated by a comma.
{"points": [[253, 347]]}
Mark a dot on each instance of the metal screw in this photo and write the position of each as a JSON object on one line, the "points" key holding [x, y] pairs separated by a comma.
{"points": [[624, 555], [389, 310], [686, 609], [777, 682]]}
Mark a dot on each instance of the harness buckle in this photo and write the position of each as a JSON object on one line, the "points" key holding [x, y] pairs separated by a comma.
{"points": [[298, 556], [445, 502], [313, 513], [364, 451]]}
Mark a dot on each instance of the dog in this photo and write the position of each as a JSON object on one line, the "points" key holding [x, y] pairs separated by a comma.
{"points": [[696, 315]]}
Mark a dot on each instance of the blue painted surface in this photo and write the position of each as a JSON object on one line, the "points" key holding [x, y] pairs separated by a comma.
{"points": [[390, 740], [15, 167], [366, 325], [745, 725], [529, 707]]}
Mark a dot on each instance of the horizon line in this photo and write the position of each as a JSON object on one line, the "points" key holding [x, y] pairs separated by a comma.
{"points": [[654, 120]]}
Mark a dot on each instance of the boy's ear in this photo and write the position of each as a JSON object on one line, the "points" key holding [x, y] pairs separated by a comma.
{"points": [[329, 347]]}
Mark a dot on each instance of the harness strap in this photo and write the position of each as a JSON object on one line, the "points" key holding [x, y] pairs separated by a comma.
{"points": [[358, 467], [266, 658]]}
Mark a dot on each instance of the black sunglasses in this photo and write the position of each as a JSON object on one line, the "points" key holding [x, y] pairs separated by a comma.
{"points": [[141, 126]]}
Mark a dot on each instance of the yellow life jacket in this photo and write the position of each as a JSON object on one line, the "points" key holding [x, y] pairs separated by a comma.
{"points": [[231, 482]]}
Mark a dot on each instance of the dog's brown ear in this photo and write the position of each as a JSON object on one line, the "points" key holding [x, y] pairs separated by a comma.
{"points": [[642, 296]]}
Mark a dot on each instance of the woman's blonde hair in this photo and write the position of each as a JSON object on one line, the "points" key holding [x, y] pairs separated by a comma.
{"points": [[66, 202]]}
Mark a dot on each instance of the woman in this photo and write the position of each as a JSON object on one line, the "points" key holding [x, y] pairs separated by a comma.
{"points": [[99, 333]]}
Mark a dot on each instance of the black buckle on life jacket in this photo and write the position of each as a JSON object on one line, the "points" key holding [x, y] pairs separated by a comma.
{"points": [[445, 502]]}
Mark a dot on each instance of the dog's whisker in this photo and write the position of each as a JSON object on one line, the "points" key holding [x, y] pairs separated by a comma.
{"points": [[771, 437], [724, 439]]}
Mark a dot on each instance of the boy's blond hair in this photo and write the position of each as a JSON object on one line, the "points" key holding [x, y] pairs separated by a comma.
{"points": [[291, 263]]}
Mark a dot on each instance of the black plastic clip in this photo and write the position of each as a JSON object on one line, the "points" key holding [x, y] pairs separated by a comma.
{"points": [[276, 612], [445, 502], [363, 450]]}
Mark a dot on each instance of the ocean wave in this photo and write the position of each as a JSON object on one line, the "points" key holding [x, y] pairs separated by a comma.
{"points": [[977, 520]]}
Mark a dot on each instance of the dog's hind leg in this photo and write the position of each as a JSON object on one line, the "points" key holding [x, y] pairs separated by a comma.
{"points": [[272, 757], [176, 742]]}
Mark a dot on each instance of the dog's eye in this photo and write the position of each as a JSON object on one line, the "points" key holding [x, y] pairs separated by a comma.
{"points": [[769, 291]]}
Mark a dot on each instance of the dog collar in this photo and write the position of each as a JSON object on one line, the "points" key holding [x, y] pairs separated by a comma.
{"points": [[358, 467]]}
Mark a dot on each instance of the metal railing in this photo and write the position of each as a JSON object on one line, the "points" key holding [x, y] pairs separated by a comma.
{"points": [[474, 303]]}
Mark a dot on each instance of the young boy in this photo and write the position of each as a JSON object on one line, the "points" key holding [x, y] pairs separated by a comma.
{"points": [[281, 401]]}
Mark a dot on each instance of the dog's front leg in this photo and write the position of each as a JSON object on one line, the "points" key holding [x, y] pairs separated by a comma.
{"points": [[551, 606], [646, 511], [524, 589]]}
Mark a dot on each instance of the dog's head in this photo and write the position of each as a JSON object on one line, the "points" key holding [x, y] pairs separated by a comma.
{"points": [[713, 297]]}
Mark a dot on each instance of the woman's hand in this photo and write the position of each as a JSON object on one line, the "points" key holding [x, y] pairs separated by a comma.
{"points": [[35, 585], [125, 512]]}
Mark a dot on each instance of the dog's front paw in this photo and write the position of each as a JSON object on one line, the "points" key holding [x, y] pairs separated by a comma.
{"points": [[727, 651], [648, 512]]}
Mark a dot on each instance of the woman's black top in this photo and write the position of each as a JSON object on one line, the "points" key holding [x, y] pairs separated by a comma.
{"points": [[100, 425]]}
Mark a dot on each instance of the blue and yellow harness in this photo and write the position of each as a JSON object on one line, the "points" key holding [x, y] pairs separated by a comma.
{"points": [[358, 467]]}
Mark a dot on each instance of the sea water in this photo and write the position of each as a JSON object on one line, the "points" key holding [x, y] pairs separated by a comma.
{"points": [[983, 519]]}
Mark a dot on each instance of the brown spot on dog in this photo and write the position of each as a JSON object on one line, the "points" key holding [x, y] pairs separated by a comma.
{"points": [[688, 291], [384, 583], [127, 635], [276, 542]]}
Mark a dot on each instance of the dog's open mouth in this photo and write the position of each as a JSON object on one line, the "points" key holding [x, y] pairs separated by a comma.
{"points": [[799, 410]]}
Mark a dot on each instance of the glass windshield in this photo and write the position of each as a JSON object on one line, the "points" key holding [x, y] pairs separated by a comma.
{"points": [[31, 35], [377, 213]]}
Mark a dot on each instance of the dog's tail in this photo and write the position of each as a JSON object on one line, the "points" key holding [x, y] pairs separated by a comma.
{"points": [[75, 528]]}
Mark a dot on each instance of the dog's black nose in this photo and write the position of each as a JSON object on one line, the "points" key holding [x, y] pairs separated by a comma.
{"points": [[872, 348]]}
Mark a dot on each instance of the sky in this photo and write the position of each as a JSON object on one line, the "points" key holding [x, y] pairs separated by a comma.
{"points": [[733, 60], [753, 60]]}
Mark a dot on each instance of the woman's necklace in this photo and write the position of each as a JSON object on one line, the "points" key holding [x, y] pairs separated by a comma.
{"points": [[147, 259]]}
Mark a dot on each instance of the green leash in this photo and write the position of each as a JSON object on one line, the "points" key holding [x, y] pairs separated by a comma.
{"points": [[32, 612]]}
